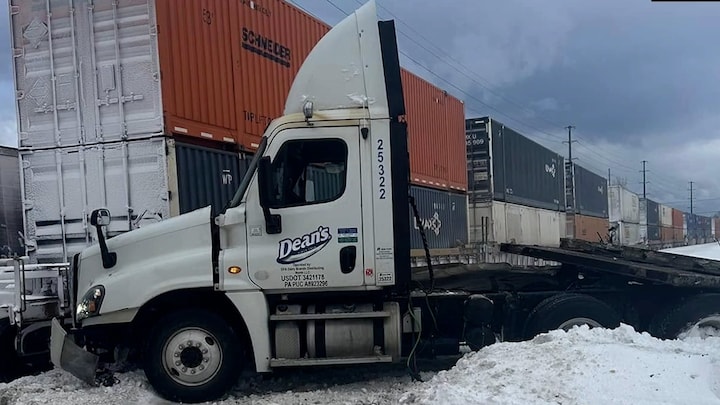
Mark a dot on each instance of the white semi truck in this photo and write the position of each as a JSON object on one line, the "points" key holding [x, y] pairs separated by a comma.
{"points": [[286, 277]]}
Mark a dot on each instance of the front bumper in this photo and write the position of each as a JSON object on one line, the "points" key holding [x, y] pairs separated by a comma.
{"points": [[67, 355]]}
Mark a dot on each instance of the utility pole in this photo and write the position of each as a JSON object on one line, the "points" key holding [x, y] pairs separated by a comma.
{"points": [[691, 196], [644, 181], [570, 142], [570, 188], [609, 178]]}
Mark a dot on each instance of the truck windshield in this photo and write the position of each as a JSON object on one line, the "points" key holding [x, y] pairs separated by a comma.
{"points": [[240, 193]]}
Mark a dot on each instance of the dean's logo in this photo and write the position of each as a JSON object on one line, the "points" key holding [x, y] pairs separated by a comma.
{"points": [[298, 249]]}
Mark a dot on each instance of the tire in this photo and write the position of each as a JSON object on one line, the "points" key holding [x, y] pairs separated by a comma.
{"points": [[9, 361], [673, 321], [207, 370], [566, 310]]}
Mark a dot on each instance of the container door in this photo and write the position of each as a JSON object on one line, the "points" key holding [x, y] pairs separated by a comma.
{"points": [[318, 198]]}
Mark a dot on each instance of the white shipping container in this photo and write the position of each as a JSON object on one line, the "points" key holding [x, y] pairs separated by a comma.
{"points": [[666, 216], [627, 234], [624, 205], [85, 74], [500, 222], [62, 187]]}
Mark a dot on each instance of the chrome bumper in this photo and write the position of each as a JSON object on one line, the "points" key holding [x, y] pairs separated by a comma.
{"points": [[67, 355]]}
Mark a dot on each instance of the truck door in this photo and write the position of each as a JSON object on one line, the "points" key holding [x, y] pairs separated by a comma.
{"points": [[317, 194]]}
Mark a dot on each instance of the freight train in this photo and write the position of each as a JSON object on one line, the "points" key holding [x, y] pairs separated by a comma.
{"points": [[152, 109]]}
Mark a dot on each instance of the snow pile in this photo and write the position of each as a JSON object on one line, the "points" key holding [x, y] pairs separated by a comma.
{"points": [[705, 251], [582, 366]]}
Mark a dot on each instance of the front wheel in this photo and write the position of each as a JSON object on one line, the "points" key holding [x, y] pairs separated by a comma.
{"points": [[193, 356]]}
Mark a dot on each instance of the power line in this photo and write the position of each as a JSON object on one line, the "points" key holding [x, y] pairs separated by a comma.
{"points": [[538, 132]]}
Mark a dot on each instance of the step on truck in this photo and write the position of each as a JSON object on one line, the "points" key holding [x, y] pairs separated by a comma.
{"points": [[296, 274]]}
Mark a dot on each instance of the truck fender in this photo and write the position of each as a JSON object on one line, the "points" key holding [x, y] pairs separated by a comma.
{"points": [[253, 308]]}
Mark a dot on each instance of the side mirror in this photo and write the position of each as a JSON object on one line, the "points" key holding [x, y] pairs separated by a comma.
{"points": [[266, 185], [99, 218]]}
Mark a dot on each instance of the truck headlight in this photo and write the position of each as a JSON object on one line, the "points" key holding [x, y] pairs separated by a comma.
{"points": [[90, 303]]}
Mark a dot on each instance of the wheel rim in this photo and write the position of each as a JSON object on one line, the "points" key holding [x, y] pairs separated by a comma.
{"points": [[708, 326], [570, 323], [192, 356]]}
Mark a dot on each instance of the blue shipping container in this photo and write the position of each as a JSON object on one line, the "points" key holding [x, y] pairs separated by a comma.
{"points": [[443, 216]]}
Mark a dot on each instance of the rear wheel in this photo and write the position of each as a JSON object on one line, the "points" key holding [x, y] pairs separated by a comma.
{"points": [[567, 310], [701, 311], [193, 356]]}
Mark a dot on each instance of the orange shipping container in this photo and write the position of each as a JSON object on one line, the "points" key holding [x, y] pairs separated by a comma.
{"points": [[226, 66], [436, 135], [677, 218], [678, 234], [667, 234], [717, 227], [587, 228]]}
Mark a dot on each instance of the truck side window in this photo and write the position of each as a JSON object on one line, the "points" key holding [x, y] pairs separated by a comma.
{"points": [[310, 172]]}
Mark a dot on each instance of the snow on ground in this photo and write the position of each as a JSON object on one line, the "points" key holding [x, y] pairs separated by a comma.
{"points": [[582, 366], [706, 251]]}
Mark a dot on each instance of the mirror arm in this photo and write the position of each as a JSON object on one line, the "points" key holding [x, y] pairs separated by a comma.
{"points": [[273, 222], [109, 259]]}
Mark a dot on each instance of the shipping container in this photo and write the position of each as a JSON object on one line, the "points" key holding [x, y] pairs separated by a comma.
{"points": [[649, 212], [506, 166], [667, 234], [443, 216], [716, 220], [591, 194], [624, 205], [436, 135], [666, 215], [653, 232], [591, 229], [499, 222], [626, 234], [141, 181], [216, 70], [11, 219], [713, 232], [677, 218]]}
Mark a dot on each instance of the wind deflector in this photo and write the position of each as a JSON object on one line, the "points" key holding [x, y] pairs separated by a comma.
{"points": [[391, 67]]}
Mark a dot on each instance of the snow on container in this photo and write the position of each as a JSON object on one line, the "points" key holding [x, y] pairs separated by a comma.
{"points": [[443, 216], [500, 222], [666, 215], [10, 202], [623, 205], [591, 229], [591, 197], [506, 166]]}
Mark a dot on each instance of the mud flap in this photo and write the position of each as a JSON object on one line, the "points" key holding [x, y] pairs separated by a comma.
{"points": [[67, 355]]}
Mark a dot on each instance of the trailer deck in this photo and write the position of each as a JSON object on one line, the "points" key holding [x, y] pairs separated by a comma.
{"points": [[642, 265]]}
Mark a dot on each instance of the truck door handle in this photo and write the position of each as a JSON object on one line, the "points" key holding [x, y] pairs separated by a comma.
{"points": [[347, 259]]}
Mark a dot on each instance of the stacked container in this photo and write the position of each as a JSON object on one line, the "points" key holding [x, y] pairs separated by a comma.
{"points": [[624, 210], [649, 220], [587, 197], [152, 108], [679, 226], [515, 186], [10, 202], [666, 223]]}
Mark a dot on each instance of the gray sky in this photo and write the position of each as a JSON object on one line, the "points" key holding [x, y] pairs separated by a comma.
{"points": [[639, 80]]}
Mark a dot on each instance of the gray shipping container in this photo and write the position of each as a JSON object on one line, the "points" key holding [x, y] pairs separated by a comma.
{"points": [[653, 232], [504, 165], [591, 194], [652, 210], [11, 220], [443, 216], [207, 176]]}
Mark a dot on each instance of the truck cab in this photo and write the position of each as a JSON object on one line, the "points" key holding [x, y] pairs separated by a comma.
{"points": [[308, 264]]}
